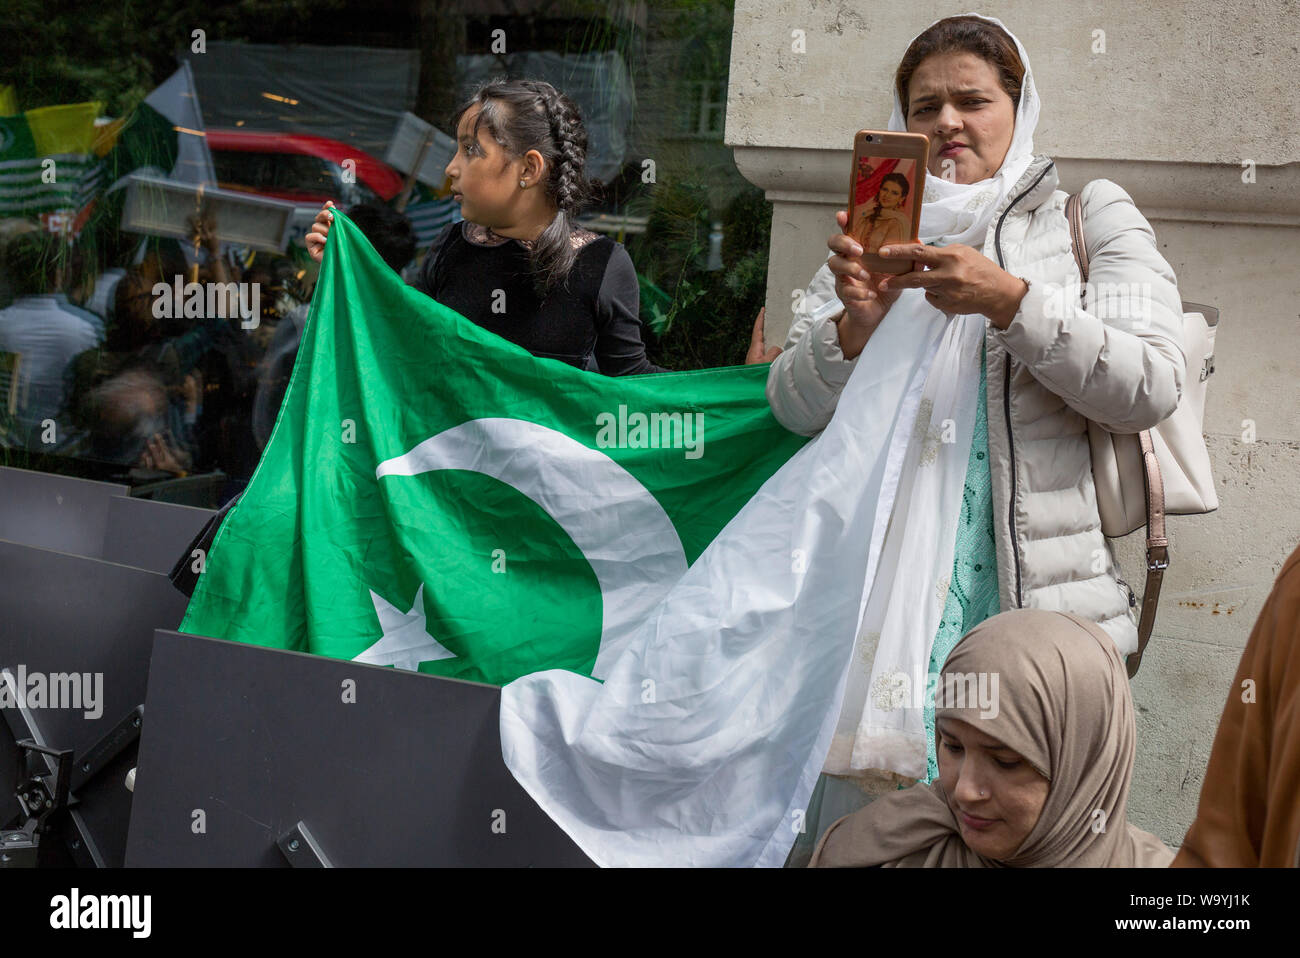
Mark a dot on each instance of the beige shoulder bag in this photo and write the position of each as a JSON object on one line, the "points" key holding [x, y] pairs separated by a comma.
{"points": [[1161, 471]]}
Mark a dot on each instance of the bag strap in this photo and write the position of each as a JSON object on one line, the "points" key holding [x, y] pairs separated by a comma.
{"points": [[1157, 540], [1157, 549]]}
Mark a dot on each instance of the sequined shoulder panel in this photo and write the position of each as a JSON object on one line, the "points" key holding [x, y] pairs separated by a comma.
{"points": [[481, 235]]}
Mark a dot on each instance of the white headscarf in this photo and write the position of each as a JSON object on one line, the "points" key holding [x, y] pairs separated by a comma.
{"points": [[881, 717], [955, 212], [961, 212]]}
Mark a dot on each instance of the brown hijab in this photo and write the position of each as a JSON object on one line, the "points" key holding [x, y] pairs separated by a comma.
{"points": [[1063, 704], [1249, 815]]}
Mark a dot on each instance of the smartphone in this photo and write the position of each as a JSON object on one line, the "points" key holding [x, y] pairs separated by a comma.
{"points": [[885, 190]]}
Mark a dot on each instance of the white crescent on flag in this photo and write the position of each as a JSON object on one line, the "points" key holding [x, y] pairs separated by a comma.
{"points": [[621, 529]]}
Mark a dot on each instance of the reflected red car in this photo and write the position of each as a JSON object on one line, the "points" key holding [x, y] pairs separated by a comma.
{"points": [[299, 168]]}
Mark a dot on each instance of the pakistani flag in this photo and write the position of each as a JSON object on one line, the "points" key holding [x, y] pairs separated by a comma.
{"points": [[435, 498], [164, 136]]}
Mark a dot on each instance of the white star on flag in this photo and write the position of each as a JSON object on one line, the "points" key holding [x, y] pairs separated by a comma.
{"points": [[406, 641]]}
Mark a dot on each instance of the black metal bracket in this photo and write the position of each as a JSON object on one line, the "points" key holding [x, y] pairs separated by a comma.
{"points": [[109, 746], [19, 847], [42, 795], [301, 849]]}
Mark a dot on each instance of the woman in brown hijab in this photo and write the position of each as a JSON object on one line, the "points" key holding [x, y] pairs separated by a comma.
{"points": [[1249, 815], [1034, 775]]}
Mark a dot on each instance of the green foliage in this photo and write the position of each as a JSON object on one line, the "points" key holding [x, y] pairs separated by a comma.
{"points": [[708, 320], [118, 52]]}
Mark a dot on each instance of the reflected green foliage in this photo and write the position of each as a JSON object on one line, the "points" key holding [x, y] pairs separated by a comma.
{"points": [[117, 53], [707, 318]]}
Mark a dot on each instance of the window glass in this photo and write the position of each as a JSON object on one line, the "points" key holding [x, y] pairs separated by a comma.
{"points": [[102, 373]]}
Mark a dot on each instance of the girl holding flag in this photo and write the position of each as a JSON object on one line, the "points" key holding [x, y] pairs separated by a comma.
{"points": [[518, 264]]}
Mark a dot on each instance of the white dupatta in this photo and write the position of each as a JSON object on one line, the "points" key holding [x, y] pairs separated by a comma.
{"points": [[880, 723], [702, 745]]}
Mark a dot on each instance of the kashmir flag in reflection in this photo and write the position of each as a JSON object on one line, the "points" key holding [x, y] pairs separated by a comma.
{"points": [[48, 165], [59, 163]]}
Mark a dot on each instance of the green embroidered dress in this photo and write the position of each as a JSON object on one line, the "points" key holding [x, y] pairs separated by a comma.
{"points": [[973, 592]]}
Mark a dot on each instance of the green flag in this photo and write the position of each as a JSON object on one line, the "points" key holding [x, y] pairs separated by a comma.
{"points": [[434, 497]]}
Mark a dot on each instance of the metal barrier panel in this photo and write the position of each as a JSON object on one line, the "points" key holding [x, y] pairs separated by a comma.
{"points": [[62, 513], [150, 535], [63, 616], [383, 767]]}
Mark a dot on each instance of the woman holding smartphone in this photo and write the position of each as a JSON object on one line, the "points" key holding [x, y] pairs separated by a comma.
{"points": [[994, 249]]}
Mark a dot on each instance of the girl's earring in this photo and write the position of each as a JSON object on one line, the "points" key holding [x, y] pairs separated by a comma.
{"points": [[523, 185]]}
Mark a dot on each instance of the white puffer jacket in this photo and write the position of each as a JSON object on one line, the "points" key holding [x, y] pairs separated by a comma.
{"points": [[1053, 368]]}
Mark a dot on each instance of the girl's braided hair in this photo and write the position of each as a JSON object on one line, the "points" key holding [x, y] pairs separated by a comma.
{"points": [[523, 115]]}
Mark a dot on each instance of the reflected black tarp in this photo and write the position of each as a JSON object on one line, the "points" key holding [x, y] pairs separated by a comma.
{"points": [[351, 94], [357, 94], [598, 82]]}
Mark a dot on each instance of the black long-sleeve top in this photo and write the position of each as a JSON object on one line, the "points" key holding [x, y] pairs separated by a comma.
{"points": [[591, 321]]}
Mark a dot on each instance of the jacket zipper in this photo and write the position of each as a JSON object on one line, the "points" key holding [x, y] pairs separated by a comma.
{"points": [[1006, 389], [1132, 597]]}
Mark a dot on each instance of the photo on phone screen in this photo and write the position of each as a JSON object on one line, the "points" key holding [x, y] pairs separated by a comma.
{"points": [[884, 200]]}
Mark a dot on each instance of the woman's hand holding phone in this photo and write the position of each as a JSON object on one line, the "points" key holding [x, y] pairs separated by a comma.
{"points": [[865, 303]]}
